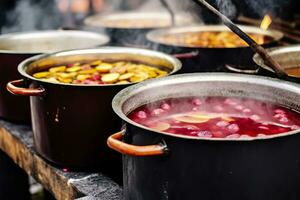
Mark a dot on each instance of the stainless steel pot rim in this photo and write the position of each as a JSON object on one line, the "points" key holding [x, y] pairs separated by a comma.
{"points": [[90, 21], [49, 33], [202, 77], [101, 50], [152, 35], [275, 51]]}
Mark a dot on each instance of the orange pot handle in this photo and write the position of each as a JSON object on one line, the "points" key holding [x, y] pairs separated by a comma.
{"points": [[115, 143], [14, 88]]}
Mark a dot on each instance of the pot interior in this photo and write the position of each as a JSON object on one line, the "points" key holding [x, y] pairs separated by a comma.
{"points": [[287, 57], [161, 36], [50, 41], [136, 20], [207, 85], [106, 54]]}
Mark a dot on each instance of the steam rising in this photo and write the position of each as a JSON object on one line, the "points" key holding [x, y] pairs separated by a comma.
{"points": [[27, 16]]}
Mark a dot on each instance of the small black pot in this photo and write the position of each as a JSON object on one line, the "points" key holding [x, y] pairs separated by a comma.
{"points": [[71, 122], [202, 59], [159, 165]]}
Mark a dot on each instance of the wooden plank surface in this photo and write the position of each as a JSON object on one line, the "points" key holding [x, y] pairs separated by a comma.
{"points": [[16, 141]]}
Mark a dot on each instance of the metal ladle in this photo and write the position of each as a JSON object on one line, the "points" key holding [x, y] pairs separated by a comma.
{"points": [[268, 60]]}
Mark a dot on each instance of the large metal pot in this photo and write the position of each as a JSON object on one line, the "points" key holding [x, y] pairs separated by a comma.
{"points": [[16, 47], [71, 122], [133, 32], [159, 165], [202, 59], [287, 57]]}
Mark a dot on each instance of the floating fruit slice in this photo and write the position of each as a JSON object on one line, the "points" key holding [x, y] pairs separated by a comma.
{"points": [[41, 74], [227, 119], [97, 62], [66, 75], [139, 76], [160, 126], [119, 70], [73, 69], [57, 69], [82, 77], [202, 116], [88, 71], [126, 76], [104, 68], [110, 78], [189, 119], [123, 82]]}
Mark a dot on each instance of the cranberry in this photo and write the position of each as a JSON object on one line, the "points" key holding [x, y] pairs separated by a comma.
{"points": [[279, 111], [279, 116], [247, 110], [283, 120], [218, 134], [295, 127], [205, 134], [239, 107], [255, 117], [96, 77], [230, 102], [219, 108], [196, 102], [165, 106], [233, 128], [195, 109], [222, 124], [157, 111], [141, 114]]}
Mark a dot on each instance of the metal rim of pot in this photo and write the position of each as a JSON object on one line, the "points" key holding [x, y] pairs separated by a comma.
{"points": [[128, 92], [154, 35], [15, 86], [48, 34], [99, 20], [277, 51]]}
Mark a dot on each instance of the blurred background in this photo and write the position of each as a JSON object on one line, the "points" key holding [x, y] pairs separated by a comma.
{"points": [[25, 15]]}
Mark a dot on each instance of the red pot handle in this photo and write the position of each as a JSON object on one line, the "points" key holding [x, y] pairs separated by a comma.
{"points": [[191, 54], [115, 143], [13, 87]]}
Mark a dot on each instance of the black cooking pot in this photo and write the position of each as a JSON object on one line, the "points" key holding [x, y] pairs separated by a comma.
{"points": [[16, 47], [130, 28], [71, 122], [205, 59], [158, 165], [287, 57]]}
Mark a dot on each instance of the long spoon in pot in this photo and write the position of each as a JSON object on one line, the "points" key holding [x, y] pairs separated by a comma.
{"points": [[169, 9], [268, 60]]}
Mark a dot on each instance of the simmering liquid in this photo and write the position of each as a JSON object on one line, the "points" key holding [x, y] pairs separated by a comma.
{"points": [[293, 71], [217, 117], [208, 39]]}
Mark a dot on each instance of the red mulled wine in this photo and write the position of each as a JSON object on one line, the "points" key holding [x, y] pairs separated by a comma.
{"points": [[217, 117]]}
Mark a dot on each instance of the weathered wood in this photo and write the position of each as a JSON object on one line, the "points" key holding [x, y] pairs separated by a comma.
{"points": [[16, 141]]}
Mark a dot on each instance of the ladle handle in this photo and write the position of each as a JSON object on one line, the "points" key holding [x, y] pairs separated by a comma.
{"points": [[115, 143], [14, 88]]}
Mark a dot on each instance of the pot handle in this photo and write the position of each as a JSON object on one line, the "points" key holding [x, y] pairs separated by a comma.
{"points": [[115, 143], [233, 68], [14, 88], [191, 54]]}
